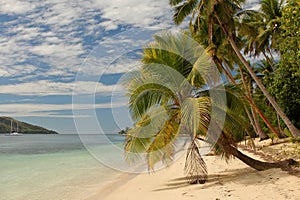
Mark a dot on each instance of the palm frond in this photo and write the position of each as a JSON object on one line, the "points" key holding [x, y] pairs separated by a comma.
{"points": [[144, 94], [175, 2], [200, 73], [134, 146], [195, 167], [167, 77], [183, 10], [195, 114], [162, 146], [139, 139], [181, 53], [151, 122]]}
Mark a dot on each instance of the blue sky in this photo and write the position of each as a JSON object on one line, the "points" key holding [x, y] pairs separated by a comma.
{"points": [[61, 60], [51, 48]]}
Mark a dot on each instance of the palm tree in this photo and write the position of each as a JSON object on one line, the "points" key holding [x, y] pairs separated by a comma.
{"points": [[266, 71], [169, 97], [248, 87], [271, 11], [260, 29], [223, 14], [217, 47]]}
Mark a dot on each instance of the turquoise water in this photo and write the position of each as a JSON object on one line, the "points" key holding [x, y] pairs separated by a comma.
{"points": [[54, 166]]}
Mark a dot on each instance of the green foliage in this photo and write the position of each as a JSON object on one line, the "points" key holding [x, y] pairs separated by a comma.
{"points": [[284, 84], [183, 10], [168, 97], [22, 126], [263, 104], [295, 140], [292, 139], [237, 125], [277, 28], [195, 115], [160, 98], [289, 35]]}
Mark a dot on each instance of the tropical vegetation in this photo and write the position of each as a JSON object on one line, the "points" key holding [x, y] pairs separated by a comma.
{"points": [[6, 123], [224, 16], [178, 90]]}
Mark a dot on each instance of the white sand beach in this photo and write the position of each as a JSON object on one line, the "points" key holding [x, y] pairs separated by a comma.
{"points": [[233, 180]]}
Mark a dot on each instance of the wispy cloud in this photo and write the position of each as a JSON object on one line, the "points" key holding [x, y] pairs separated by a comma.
{"points": [[52, 110], [46, 88], [62, 33], [16, 7], [44, 44], [17, 70], [146, 13]]}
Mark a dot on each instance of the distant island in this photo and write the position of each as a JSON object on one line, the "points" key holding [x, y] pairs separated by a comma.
{"points": [[23, 127], [124, 131]]}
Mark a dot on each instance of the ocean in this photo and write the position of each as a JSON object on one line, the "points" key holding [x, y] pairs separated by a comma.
{"points": [[35, 167]]}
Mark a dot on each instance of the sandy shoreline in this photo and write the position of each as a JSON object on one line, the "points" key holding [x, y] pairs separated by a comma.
{"points": [[233, 180]]}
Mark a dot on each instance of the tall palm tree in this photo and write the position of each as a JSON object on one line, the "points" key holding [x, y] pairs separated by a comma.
{"points": [[214, 41], [271, 11], [248, 86], [260, 29], [169, 97], [223, 13], [266, 71]]}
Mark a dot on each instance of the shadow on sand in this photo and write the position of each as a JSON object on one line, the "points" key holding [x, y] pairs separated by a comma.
{"points": [[245, 176]]}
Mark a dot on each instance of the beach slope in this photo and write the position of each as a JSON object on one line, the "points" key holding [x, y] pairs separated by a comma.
{"points": [[233, 180]]}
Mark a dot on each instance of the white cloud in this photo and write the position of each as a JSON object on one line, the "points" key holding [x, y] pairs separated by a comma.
{"points": [[108, 65], [57, 50], [144, 13], [46, 88], [16, 7], [52, 110], [51, 38], [17, 70], [109, 25], [54, 31]]}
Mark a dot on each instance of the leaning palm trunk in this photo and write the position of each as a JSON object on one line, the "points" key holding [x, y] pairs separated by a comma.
{"points": [[230, 148], [251, 102], [263, 117], [255, 164], [295, 132], [196, 169], [260, 132], [256, 125]]}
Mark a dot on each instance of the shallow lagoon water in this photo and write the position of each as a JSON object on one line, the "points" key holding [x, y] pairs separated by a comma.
{"points": [[53, 166]]}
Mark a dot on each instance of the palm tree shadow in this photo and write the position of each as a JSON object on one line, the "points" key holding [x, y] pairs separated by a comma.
{"points": [[245, 176], [174, 184]]}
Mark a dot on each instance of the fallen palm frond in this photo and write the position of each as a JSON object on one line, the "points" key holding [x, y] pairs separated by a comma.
{"points": [[195, 167]]}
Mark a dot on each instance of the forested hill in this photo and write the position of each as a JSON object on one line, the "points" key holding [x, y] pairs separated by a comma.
{"points": [[23, 127]]}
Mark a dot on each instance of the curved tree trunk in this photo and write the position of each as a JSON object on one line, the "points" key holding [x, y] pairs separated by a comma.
{"points": [[295, 132], [230, 148], [256, 164]]}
